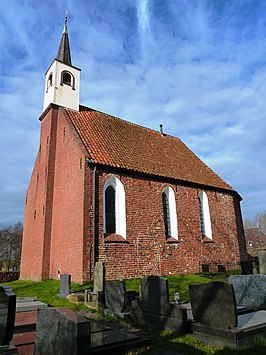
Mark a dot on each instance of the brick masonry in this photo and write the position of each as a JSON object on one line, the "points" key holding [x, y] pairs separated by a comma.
{"points": [[59, 218]]}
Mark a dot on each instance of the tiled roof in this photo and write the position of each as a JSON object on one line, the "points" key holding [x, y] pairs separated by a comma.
{"points": [[120, 144]]}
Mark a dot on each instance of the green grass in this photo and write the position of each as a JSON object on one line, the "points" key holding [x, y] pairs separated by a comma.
{"points": [[186, 344], [180, 283], [47, 292]]}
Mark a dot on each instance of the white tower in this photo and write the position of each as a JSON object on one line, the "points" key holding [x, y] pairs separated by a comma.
{"points": [[62, 80]]}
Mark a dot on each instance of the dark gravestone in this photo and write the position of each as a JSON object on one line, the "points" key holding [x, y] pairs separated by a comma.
{"points": [[154, 293], [154, 309], [250, 290], [221, 268], [61, 331], [215, 317], [246, 267], [213, 305], [205, 267], [7, 315], [116, 297], [65, 280]]}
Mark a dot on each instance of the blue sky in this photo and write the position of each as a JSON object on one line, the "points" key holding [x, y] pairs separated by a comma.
{"points": [[198, 67]]}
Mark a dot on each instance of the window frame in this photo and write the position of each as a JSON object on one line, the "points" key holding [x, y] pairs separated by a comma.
{"points": [[173, 224], [204, 214], [72, 79], [120, 206]]}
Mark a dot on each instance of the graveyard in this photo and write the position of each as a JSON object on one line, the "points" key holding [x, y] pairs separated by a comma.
{"points": [[150, 324]]}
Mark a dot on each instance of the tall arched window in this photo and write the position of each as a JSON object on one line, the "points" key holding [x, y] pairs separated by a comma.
{"points": [[110, 209], [205, 218], [114, 207], [169, 213]]}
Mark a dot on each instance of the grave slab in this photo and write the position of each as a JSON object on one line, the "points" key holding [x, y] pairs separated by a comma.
{"points": [[27, 306], [61, 331]]}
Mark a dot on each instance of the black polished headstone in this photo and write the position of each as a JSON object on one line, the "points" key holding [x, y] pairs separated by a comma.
{"points": [[154, 309], [7, 314], [115, 296], [154, 293], [65, 280], [61, 331], [213, 305], [250, 290]]}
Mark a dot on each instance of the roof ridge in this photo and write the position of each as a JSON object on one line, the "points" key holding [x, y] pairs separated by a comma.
{"points": [[132, 123]]}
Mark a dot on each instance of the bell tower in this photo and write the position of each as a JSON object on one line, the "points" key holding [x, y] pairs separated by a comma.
{"points": [[62, 79]]}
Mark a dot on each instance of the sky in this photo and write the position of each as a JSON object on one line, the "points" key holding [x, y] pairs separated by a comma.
{"points": [[196, 66]]}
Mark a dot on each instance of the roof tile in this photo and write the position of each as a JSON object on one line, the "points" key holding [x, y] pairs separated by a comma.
{"points": [[121, 144]]}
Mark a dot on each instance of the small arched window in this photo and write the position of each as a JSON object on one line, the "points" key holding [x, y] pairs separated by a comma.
{"points": [[49, 81], [114, 207], [205, 218], [68, 79], [169, 213]]}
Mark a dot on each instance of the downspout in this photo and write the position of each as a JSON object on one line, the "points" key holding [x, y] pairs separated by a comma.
{"points": [[90, 163], [94, 206]]}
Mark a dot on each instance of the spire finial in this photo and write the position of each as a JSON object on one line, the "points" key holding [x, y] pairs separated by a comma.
{"points": [[65, 26], [63, 53]]}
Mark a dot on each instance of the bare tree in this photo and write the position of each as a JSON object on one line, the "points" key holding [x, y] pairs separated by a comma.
{"points": [[248, 224], [261, 222], [10, 247]]}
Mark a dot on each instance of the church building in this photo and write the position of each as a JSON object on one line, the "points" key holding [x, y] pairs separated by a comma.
{"points": [[105, 189]]}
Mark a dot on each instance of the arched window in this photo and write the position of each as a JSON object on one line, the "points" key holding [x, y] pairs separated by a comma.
{"points": [[49, 81], [114, 207], [68, 79], [169, 213], [110, 209], [205, 218]]}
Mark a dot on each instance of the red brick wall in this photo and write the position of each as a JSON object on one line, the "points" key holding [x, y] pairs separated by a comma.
{"points": [[38, 207], [54, 240], [67, 247], [146, 251]]}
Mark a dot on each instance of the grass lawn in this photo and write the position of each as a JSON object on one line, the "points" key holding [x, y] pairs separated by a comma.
{"points": [[47, 292]]}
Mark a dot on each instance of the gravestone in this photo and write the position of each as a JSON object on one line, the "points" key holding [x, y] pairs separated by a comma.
{"points": [[95, 298], [98, 277], [116, 297], [61, 331], [262, 260], [213, 304], [154, 309], [7, 317], [216, 321], [154, 292], [250, 290], [65, 280]]}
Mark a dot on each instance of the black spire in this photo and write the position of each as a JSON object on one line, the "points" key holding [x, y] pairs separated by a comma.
{"points": [[63, 53]]}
